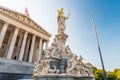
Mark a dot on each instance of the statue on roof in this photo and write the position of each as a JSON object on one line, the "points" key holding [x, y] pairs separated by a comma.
{"points": [[61, 21]]}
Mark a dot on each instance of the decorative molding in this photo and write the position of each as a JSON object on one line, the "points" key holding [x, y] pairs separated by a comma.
{"points": [[23, 19]]}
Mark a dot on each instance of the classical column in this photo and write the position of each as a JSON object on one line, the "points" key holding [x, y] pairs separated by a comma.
{"points": [[12, 44], [43, 44], [46, 45], [2, 34], [27, 49], [23, 46], [35, 52], [40, 50], [18, 47], [32, 49], [8, 44]]}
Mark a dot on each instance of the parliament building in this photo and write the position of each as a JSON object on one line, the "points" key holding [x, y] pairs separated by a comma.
{"points": [[22, 41]]}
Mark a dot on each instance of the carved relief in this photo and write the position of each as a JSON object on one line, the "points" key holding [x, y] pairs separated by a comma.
{"points": [[77, 67], [54, 70], [22, 19], [44, 68]]}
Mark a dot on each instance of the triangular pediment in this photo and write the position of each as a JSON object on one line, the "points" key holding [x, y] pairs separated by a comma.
{"points": [[23, 18]]}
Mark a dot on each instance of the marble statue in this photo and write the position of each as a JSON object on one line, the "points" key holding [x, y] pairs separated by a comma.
{"points": [[61, 21], [69, 67], [67, 50], [39, 67], [55, 43], [58, 59], [46, 67], [77, 67], [55, 70]]}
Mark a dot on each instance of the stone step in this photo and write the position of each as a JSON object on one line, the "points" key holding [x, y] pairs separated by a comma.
{"points": [[25, 79]]}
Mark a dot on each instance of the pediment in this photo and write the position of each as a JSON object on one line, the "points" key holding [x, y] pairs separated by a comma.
{"points": [[23, 18]]}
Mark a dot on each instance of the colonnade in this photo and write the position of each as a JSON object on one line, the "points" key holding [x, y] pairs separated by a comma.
{"points": [[28, 44]]}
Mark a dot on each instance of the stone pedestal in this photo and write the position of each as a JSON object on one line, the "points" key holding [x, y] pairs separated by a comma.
{"points": [[61, 77], [63, 65], [62, 36], [60, 64], [54, 62]]}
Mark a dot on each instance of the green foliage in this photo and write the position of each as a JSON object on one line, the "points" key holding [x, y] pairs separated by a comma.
{"points": [[115, 75], [94, 69], [111, 77], [98, 75]]}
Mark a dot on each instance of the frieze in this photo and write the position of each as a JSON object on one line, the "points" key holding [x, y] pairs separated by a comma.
{"points": [[24, 19]]}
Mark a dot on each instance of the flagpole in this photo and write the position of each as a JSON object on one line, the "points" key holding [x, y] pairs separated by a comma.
{"points": [[104, 74]]}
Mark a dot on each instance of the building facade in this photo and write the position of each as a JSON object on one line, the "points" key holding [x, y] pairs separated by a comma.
{"points": [[21, 42]]}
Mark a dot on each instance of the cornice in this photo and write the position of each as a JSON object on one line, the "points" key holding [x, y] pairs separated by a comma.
{"points": [[23, 19]]}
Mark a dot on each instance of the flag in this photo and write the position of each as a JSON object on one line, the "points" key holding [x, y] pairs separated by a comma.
{"points": [[26, 11]]}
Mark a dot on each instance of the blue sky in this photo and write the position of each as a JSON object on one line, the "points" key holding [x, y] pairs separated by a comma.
{"points": [[79, 26]]}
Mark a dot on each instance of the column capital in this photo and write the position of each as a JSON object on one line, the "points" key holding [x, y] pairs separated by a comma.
{"points": [[34, 35], [16, 28], [7, 23], [47, 41], [41, 38], [26, 31]]}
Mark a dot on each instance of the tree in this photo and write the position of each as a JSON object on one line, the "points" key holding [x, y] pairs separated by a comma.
{"points": [[94, 69], [97, 74], [111, 76], [117, 73]]}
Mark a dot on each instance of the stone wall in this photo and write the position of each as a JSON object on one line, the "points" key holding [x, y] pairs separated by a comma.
{"points": [[63, 78], [7, 76], [14, 70], [15, 67]]}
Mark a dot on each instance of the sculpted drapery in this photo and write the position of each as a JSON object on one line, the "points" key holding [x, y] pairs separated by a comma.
{"points": [[61, 21]]}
